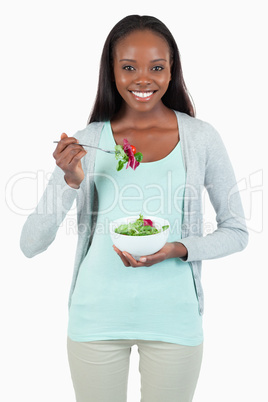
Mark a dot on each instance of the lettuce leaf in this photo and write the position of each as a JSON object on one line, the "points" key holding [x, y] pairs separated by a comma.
{"points": [[124, 154], [141, 227]]}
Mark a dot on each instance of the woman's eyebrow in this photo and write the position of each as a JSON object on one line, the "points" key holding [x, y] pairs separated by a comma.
{"points": [[130, 60], [135, 61], [154, 61]]}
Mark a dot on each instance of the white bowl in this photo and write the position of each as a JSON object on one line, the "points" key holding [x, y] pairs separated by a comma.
{"points": [[139, 245]]}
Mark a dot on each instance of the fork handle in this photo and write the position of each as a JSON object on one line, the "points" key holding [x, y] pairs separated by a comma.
{"points": [[82, 145], [92, 146]]}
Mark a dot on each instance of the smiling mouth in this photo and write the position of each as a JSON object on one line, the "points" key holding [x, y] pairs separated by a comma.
{"points": [[143, 94]]}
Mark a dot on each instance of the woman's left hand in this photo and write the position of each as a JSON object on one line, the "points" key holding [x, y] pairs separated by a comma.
{"points": [[170, 250]]}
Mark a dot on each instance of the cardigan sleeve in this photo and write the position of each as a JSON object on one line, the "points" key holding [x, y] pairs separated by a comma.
{"points": [[231, 234], [41, 226]]}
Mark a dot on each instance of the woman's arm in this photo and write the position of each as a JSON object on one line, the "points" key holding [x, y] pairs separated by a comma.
{"points": [[41, 226], [231, 234]]}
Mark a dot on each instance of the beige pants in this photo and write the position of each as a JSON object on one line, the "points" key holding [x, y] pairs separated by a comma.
{"points": [[99, 369]]}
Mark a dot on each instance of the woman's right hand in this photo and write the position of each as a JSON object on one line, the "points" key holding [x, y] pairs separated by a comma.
{"points": [[68, 155]]}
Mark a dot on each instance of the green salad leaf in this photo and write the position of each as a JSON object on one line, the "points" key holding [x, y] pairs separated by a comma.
{"points": [[138, 156], [139, 228], [121, 156], [120, 153], [124, 154]]}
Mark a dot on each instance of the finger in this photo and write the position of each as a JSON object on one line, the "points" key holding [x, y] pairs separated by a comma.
{"points": [[66, 156], [76, 156], [120, 254], [63, 144], [149, 260], [131, 260], [63, 135]]}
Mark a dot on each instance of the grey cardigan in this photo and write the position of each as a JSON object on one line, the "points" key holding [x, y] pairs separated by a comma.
{"points": [[207, 165]]}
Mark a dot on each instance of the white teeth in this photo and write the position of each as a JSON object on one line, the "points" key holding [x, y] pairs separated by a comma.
{"points": [[142, 94]]}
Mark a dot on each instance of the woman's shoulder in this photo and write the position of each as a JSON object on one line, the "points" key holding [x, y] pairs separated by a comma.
{"points": [[195, 129], [194, 123]]}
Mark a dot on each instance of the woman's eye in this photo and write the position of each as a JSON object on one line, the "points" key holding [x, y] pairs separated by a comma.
{"points": [[158, 68], [128, 68]]}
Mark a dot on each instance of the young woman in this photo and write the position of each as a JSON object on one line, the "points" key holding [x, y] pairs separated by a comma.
{"points": [[157, 306]]}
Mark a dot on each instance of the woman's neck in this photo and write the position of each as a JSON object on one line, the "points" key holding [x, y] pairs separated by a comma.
{"points": [[126, 116]]}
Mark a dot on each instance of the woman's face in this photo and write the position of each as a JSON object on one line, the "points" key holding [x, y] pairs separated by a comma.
{"points": [[142, 69]]}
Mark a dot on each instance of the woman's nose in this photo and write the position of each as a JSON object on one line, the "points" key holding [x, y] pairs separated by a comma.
{"points": [[143, 79]]}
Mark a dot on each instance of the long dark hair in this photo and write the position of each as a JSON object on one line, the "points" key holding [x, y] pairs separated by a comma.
{"points": [[108, 100]]}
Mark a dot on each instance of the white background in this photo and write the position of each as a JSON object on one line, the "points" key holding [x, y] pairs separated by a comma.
{"points": [[50, 52]]}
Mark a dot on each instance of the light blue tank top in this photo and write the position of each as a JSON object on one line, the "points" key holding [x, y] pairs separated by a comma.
{"points": [[111, 301]]}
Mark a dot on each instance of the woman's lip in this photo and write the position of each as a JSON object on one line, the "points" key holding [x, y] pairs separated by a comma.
{"points": [[142, 95]]}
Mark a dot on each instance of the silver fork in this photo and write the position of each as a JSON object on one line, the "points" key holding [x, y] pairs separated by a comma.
{"points": [[91, 146]]}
